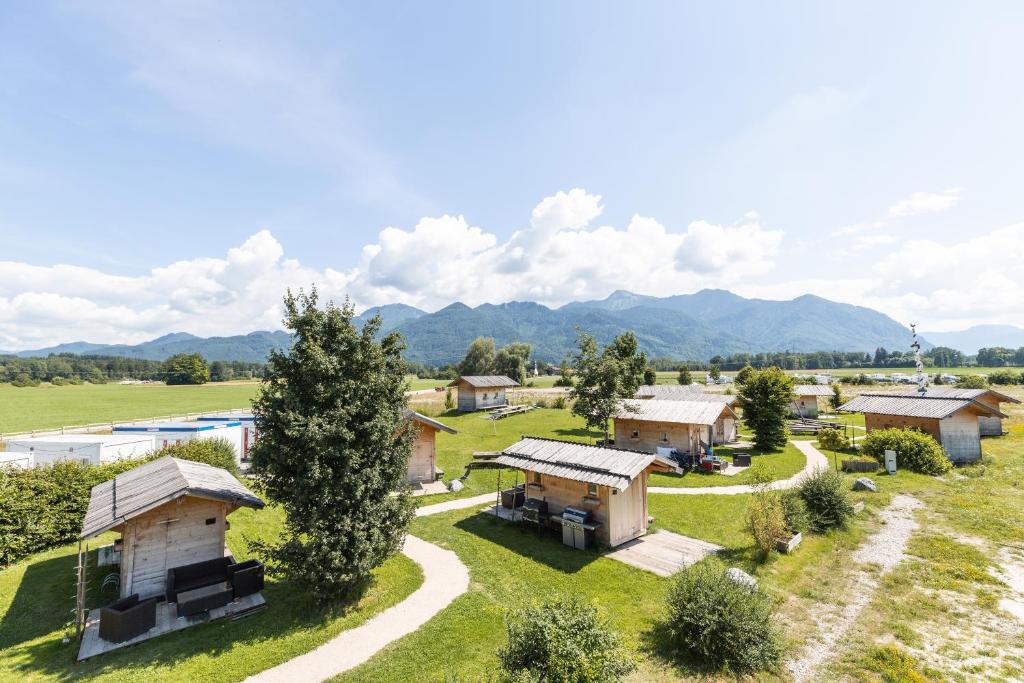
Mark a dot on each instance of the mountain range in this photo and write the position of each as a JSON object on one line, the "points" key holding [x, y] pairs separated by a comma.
{"points": [[688, 326], [979, 337]]}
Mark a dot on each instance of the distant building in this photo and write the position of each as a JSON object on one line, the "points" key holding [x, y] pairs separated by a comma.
{"points": [[89, 449], [725, 428], [249, 432], [659, 426], [423, 459], [953, 422], [988, 425], [805, 403], [167, 434], [477, 392]]}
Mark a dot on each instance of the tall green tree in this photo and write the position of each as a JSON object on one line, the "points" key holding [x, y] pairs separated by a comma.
{"points": [[744, 373], [650, 377], [511, 361], [765, 398], [333, 448], [186, 368], [714, 372], [605, 377], [836, 399], [480, 357], [684, 375]]}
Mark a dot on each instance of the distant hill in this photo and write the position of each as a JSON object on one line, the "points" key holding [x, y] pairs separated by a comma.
{"points": [[689, 326], [979, 337]]}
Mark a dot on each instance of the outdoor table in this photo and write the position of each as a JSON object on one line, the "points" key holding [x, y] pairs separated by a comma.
{"points": [[203, 599]]}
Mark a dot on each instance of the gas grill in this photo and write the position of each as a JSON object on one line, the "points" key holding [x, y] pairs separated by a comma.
{"points": [[535, 511], [577, 516], [578, 527]]}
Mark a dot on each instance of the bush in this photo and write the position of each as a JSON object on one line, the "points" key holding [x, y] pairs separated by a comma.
{"points": [[766, 519], [562, 641], [559, 403], [971, 382], [824, 494], [833, 439], [798, 520], [721, 623], [23, 380], [1004, 377], [216, 452], [58, 381], [915, 450]]}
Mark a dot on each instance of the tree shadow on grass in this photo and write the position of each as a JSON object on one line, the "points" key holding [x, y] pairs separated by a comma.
{"points": [[42, 603], [579, 433], [524, 540]]}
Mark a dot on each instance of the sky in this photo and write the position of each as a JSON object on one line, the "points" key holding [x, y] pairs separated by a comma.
{"points": [[176, 166]]}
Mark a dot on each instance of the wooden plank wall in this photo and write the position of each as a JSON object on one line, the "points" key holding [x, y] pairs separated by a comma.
{"points": [[423, 457], [682, 437], [961, 437]]}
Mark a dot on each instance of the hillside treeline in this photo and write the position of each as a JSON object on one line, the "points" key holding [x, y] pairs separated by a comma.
{"points": [[72, 368]]}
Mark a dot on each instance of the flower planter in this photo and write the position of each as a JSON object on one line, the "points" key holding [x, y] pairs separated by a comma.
{"points": [[786, 545]]}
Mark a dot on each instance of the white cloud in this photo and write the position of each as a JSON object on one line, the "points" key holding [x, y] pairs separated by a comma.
{"points": [[925, 202], [559, 258]]}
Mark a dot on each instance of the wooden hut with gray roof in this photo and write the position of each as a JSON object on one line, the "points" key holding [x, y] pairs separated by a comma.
{"points": [[951, 420], [725, 429], [988, 425], [169, 513], [609, 483], [481, 392], [423, 458], [805, 399], [687, 427]]}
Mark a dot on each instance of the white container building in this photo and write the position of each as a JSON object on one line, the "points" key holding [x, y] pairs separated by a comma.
{"points": [[89, 449], [166, 434], [248, 428]]}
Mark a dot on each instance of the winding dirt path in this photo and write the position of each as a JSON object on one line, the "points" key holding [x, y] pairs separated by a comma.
{"points": [[815, 460]]}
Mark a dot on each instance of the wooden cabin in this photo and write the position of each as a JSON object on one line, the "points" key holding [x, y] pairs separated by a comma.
{"points": [[988, 425], [610, 482], [805, 399], [658, 426], [423, 459], [726, 426], [169, 513], [479, 392], [953, 422]]}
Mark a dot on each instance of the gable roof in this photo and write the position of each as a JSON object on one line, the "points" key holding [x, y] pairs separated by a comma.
{"points": [[139, 490], [485, 381], [914, 405], [953, 392], [812, 390], [698, 412], [601, 465], [423, 419], [668, 391]]}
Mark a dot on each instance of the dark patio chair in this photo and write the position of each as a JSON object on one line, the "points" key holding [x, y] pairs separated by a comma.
{"points": [[246, 578], [127, 618]]}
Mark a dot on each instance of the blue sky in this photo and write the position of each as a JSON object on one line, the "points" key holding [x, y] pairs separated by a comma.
{"points": [[174, 166]]}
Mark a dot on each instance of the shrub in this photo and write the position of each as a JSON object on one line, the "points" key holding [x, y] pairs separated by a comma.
{"points": [[721, 623], [449, 400], [971, 382], [216, 452], [562, 641], [541, 403], [915, 450], [559, 402], [824, 494], [1004, 377], [833, 439], [766, 519], [58, 381], [23, 380], [798, 520]]}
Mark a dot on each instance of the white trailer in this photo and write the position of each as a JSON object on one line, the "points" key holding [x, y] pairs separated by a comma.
{"points": [[248, 428], [23, 460], [88, 449], [170, 433]]}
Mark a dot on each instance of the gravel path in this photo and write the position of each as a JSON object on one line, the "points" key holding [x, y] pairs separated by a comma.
{"points": [[885, 548], [815, 460], [444, 579]]}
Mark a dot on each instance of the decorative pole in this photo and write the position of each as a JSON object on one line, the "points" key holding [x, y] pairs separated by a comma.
{"points": [[921, 377]]}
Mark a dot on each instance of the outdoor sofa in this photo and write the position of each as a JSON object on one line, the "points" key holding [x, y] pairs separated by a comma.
{"points": [[127, 618]]}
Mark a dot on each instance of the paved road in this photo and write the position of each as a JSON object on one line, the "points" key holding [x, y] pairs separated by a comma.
{"points": [[815, 460]]}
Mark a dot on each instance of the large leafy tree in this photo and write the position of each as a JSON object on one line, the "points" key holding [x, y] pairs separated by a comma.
{"points": [[605, 377], [333, 448], [765, 397], [511, 361], [186, 368], [479, 358]]}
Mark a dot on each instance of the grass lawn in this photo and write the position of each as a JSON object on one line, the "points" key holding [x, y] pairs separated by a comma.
{"points": [[782, 464], [44, 407], [36, 599]]}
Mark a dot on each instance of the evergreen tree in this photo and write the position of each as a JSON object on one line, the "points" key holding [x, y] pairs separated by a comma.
{"points": [[765, 398], [479, 358], [684, 375], [715, 372], [650, 377], [836, 399], [605, 378], [334, 447]]}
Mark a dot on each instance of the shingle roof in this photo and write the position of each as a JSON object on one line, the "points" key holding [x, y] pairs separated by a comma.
{"points": [[913, 405], [698, 412], [485, 381], [139, 490], [601, 465], [812, 390], [423, 419], [680, 391], [953, 392]]}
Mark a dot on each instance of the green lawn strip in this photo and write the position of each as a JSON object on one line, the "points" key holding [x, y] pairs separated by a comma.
{"points": [[36, 598], [783, 464], [47, 407], [509, 569]]}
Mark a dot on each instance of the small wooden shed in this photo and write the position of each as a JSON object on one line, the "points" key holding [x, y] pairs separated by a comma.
{"points": [[805, 399], [953, 422], [610, 482], [685, 426], [423, 459], [477, 392], [726, 426], [169, 513], [988, 425]]}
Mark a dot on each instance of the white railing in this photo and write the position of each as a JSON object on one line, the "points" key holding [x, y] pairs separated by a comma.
{"points": [[105, 426]]}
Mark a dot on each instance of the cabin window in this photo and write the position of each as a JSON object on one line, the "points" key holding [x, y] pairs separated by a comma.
{"points": [[664, 437], [485, 395], [635, 434], [536, 477], [210, 521], [592, 490]]}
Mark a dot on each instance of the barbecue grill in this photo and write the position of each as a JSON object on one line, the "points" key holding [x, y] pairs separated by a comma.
{"points": [[578, 527], [535, 511]]}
